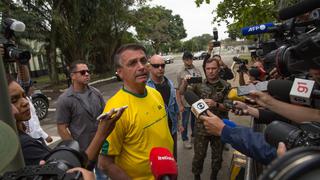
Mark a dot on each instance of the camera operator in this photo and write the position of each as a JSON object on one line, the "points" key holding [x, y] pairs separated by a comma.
{"points": [[225, 72], [214, 91]]}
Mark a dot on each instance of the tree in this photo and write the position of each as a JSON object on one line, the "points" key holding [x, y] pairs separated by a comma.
{"points": [[80, 29], [159, 26], [197, 43], [244, 13]]}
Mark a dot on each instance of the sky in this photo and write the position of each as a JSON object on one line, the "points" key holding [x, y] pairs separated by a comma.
{"points": [[197, 20]]}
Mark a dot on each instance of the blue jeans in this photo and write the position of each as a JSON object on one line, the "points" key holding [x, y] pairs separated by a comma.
{"points": [[185, 119]]}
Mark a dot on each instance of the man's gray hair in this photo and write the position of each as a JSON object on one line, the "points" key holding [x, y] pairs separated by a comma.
{"points": [[124, 48]]}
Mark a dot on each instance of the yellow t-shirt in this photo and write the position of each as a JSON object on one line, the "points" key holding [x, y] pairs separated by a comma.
{"points": [[142, 126]]}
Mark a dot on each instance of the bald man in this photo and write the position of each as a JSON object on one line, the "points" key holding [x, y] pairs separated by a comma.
{"points": [[165, 86]]}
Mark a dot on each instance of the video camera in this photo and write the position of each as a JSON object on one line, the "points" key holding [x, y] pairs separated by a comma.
{"points": [[295, 46], [11, 52], [242, 64], [65, 156], [307, 134]]}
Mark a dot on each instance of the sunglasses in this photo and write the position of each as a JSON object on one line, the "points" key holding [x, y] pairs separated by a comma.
{"points": [[82, 72], [158, 65]]}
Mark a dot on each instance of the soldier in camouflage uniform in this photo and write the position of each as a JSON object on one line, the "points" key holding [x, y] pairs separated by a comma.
{"points": [[213, 90]]}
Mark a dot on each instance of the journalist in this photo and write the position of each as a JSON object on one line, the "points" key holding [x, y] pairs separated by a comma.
{"points": [[290, 111], [34, 150], [262, 116], [243, 139]]}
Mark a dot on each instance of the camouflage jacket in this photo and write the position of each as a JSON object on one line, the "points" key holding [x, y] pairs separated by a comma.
{"points": [[217, 91]]}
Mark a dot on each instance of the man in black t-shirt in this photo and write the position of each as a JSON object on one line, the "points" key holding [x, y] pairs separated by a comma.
{"points": [[165, 86]]}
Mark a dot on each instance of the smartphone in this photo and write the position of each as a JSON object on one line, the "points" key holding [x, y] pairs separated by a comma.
{"points": [[108, 113], [245, 90], [262, 86], [194, 80]]}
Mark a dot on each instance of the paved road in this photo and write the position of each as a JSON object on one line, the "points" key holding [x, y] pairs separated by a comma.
{"points": [[184, 155]]}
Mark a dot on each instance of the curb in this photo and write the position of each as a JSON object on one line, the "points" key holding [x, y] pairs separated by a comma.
{"points": [[94, 83]]}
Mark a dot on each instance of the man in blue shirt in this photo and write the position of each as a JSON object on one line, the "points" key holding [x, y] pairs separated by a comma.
{"points": [[243, 139], [165, 86]]}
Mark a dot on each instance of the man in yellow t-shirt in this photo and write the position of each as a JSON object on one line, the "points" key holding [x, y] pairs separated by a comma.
{"points": [[144, 125]]}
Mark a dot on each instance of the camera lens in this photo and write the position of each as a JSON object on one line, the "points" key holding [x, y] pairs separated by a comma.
{"points": [[278, 131], [300, 163]]}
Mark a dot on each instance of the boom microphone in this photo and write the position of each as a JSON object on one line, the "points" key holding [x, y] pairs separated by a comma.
{"points": [[298, 9], [257, 29], [163, 165]]}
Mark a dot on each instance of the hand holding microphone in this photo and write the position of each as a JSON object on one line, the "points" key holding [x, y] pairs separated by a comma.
{"points": [[240, 108], [212, 123], [261, 98]]}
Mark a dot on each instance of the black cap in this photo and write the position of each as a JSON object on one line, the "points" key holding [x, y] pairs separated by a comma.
{"points": [[187, 55]]}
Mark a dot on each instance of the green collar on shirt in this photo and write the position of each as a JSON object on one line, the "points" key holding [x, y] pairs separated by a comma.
{"points": [[134, 94]]}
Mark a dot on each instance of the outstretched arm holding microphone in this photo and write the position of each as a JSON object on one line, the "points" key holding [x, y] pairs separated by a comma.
{"points": [[241, 138], [293, 112]]}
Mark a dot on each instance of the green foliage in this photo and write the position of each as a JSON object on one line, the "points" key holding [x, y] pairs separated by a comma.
{"points": [[243, 13], [158, 26], [78, 29], [197, 43]]}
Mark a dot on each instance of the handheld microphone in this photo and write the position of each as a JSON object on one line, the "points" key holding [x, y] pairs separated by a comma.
{"points": [[298, 9], [162, 163], [257, 29], [298, 92], [198, 106], [196, 102], [215, 33], [233, 95]]}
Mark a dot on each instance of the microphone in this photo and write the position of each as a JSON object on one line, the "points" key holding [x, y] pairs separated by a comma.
{"points": [[198, 106], [298, 9], [162, 163], [233, 95], [300, 91], [257, 29], [215, 33], [280, 89]]}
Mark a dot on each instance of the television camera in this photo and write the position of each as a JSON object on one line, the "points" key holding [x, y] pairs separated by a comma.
{"points": [[11, 52]]}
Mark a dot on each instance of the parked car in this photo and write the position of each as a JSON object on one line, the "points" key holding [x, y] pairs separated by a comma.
{"points": [[168, 59], [199, 55], [40, 103]]}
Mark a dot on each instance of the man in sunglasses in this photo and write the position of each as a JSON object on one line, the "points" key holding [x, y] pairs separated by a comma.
{"points": [[165, 86], [78, 108]]}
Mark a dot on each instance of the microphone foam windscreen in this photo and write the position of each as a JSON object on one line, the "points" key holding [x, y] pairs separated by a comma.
{"points": [[233, 95], [162, 163], [191, 97], [280, 89]]}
